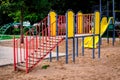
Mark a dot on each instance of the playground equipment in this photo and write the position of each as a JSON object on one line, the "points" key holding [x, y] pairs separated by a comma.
{"points": [[111, 27], [115, 31], [107, 8], [50, 32], [5, 27], [118, 30], [104, 25]]}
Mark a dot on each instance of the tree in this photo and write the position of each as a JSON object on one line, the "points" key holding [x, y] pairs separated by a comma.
{"points": [[11, 7], [37, 10]]}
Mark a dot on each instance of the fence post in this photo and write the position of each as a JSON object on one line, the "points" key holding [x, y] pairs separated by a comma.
{"points": [[14, 53], [26, 54]]}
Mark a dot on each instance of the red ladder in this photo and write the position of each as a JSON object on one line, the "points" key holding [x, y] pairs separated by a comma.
{"points": [[35, 47]]}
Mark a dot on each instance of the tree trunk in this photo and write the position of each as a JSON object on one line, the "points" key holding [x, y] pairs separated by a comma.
{"points": [[21, 26]]}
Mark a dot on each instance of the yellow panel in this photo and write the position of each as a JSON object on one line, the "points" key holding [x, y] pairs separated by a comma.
{"points": [[97, 22], [52, 23], [104, 25], [80, 22], [89, 40], [70, 23]]}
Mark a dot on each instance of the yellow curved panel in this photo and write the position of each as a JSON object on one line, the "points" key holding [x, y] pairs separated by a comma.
{"points": [[89, 40], [104, 25], [70, 23], [52, 18]]}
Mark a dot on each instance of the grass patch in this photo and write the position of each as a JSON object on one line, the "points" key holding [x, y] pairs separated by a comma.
{"points": [[5, 37], [45, 66]]}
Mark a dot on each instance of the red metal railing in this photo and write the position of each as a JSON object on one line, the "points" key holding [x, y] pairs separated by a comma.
{"points": [[87, 23], [19, 52], [61, 25], [38, 43]]}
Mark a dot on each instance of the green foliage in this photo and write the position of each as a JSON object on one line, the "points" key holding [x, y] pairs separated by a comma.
{"points": [[26, 29], [16, 31], [32, 10], [36, 10], [15, 16], [33, 17], [9, 37]]}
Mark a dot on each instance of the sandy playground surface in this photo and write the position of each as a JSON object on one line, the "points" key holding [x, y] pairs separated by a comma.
{"points": [[84, 68]]}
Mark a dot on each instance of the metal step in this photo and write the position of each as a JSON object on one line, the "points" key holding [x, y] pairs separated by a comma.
{"points": [[45, 45], [23, 64], [41, 48], [50, 43], [31, 58], [56, 37], [48, 48], [20, 67], [37, 54], [35, 58], [53, 40], [41, 51]]}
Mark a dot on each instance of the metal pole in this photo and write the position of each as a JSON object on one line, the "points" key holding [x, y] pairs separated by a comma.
{"points": [[66, 38], [57, 49], [77, 47], [99, 47], [107, 8], [113, 1], [100, 8], [93, 49], [50, 55], [26, 55], [73, 49], [100, 18], [76, 33], [14, 51], [82, 45], [74, 39], [108, 35]]}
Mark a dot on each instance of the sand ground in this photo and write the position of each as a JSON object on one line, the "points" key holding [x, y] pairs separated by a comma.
{"points": [[84, 68]]}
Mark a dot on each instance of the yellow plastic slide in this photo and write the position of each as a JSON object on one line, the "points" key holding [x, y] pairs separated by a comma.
{"points": [[88, 42]]}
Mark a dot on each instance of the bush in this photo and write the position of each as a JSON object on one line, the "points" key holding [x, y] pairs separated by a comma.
{"points": [[45, 66], [16, 31]]}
